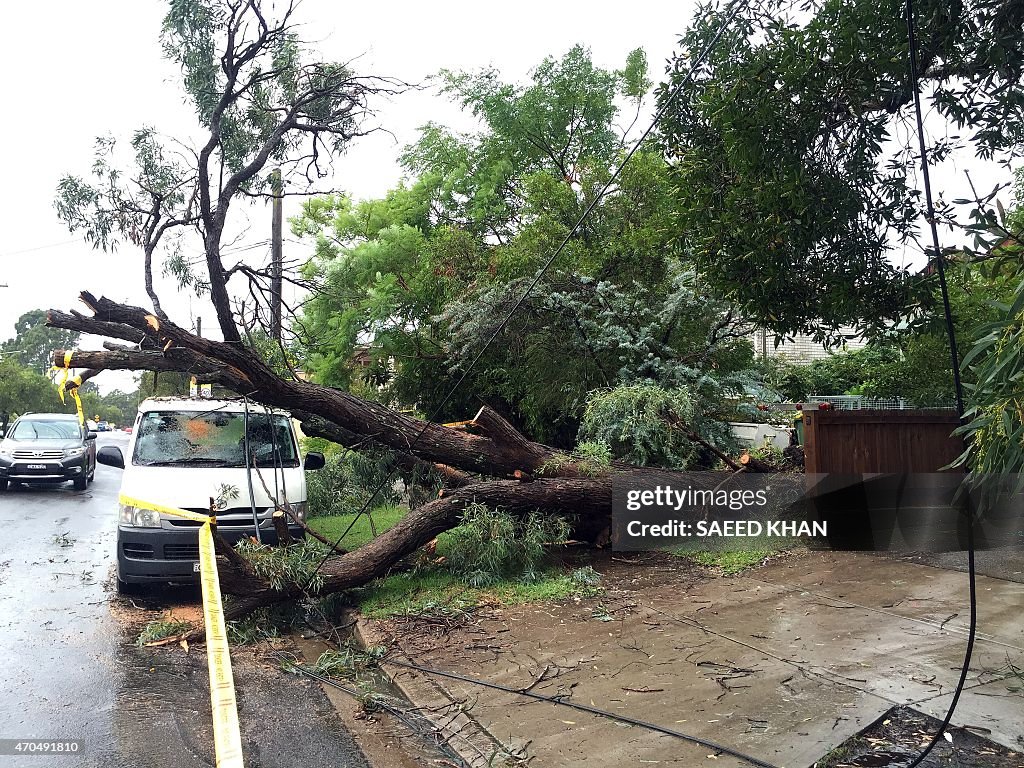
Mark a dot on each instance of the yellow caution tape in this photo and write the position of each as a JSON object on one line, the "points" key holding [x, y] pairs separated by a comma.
{"points": [[77, 381], [128, 501], [64, 378], [227, 739]]}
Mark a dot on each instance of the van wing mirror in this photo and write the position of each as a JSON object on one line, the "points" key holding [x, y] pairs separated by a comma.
{"points": [[314, 460], [111, 456]]}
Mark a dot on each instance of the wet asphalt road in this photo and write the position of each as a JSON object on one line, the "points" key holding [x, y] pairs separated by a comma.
{"points": [[71, 671]]}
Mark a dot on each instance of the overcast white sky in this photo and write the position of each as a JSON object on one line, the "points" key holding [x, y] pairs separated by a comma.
{"points": [[75, 70]]}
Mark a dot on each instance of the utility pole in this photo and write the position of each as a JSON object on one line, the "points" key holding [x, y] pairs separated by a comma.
{"points": [[276, 255]]}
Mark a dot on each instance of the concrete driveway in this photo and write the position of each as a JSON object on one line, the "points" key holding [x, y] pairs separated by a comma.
{"points": [[783, 662], [71, 670]]}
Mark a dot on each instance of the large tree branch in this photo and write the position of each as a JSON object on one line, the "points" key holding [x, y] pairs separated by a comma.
{"points": [[499, 450]]}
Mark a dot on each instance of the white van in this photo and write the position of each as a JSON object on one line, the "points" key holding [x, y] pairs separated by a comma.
{"points": [[184, 452]]}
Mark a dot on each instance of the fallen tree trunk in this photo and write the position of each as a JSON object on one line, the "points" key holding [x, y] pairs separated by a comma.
{"points": [[537, 476], [589, 498]]}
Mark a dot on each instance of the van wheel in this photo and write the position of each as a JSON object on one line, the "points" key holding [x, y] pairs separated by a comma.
{"points": [[124, 588], [81, 483]]}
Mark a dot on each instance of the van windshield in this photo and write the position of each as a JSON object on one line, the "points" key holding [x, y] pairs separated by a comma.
{"points": [[213, 439]]}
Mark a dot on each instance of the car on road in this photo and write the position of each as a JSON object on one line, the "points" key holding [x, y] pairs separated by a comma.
{"points": [[102, 426], [46, 448], [185, 452]]}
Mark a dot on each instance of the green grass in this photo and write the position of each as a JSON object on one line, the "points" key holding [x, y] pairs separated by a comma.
{"points": [[441, 593], [333, 526], [730, 561], [435, 590]]}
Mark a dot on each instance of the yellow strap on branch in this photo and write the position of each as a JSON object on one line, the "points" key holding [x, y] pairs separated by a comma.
{"points": [[62, 385], [227, 738], [457, 424], [73, 384]]}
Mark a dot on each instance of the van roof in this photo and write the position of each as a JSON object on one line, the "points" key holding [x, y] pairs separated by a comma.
{"points": [[203, 404]]}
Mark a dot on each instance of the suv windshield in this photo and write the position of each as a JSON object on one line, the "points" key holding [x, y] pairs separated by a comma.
{"points": [[45, 429], [213, 439]]}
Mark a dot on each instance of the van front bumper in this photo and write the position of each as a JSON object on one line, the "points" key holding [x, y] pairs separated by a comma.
{"points": [[153, 555]]}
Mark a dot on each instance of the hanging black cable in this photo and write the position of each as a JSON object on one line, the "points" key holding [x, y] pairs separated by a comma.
{"points": [[733, 9], [408, 719], [957, 384], [562, 701], [248, 469]]}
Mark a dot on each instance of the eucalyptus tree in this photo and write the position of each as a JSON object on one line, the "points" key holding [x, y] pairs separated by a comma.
{"points": [[262, 102]]}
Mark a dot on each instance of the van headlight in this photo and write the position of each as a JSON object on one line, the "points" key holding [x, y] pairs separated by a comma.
{"points": [[139, 518], [298, 509]]}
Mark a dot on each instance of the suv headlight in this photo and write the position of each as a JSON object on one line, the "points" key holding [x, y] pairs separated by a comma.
{"points": [[73, 453], [299, 510], [6, 453], [139, 518]]}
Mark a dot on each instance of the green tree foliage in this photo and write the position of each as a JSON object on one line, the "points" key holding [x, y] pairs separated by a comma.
{"points": [[23, 390], [995, 396], [795, 178], [913, 361], [33, 343], [422, 278]]}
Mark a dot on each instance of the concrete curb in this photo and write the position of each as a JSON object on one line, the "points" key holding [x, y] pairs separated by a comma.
{"points": [[459, 729]]}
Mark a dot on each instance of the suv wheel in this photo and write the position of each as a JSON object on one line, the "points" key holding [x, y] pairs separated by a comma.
{"points": [[3, 484], [81, 483]]}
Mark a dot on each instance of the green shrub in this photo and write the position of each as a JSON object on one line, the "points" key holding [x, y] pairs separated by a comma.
{"points": [[348, 479], [490, 545], [650, 425], [286, 566]]}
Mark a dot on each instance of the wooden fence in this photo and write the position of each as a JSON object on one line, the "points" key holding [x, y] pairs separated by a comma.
{"points": [[863, 441]]}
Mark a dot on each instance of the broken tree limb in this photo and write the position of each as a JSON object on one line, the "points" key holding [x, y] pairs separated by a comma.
{"points": [[284, 536], [315, 426], [530, 476], [501, 453]]}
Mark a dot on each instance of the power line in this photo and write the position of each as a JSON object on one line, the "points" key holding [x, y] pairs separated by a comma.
{"points": [[732, 11], [958, 385], [41, 247], [565, 702]]}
